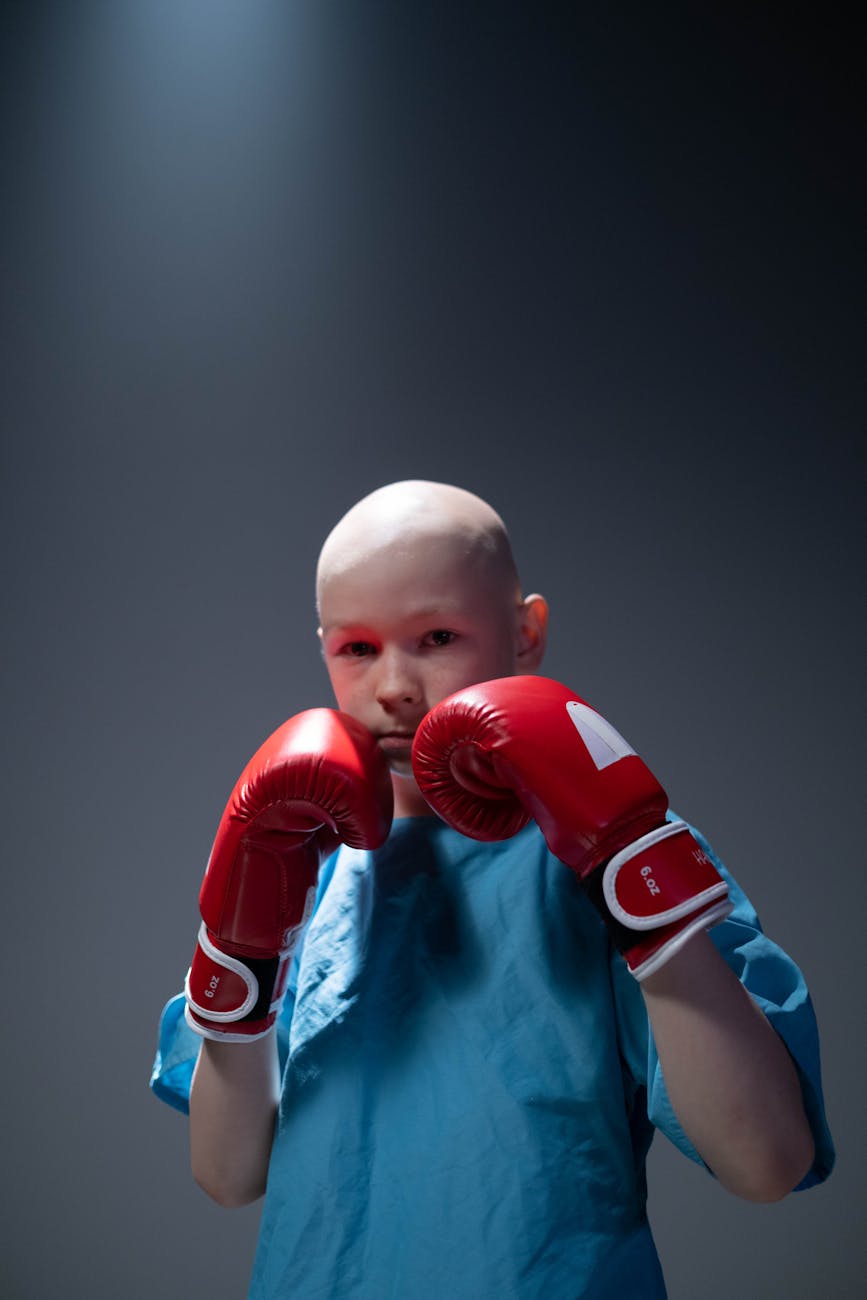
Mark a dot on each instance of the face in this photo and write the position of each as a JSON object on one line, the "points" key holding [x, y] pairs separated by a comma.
{"points": [[409, 627]]}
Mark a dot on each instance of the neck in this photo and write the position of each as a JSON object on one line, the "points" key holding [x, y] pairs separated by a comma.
{"points": [[408, 799]]}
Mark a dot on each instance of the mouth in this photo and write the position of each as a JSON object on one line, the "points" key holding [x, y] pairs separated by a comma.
{"points": [[394, 741]]}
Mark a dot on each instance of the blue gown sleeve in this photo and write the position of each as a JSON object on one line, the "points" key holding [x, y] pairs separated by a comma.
{"points": [[776, 984], [178, 1050]]}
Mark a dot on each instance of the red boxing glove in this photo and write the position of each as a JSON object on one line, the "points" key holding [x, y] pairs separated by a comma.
{"points": [[318, 780], [491, 757]]}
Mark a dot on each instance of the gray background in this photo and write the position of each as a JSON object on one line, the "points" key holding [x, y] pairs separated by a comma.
{"points": [[260, 258]]}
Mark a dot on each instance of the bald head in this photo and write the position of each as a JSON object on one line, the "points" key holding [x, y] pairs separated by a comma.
{"points": [[418, 597], [425, 519]]}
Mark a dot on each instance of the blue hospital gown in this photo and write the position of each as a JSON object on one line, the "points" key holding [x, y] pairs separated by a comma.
{"points": [[470, 1084]]}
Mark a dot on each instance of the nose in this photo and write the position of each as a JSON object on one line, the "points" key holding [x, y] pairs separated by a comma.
{"points": [[396, 682]]}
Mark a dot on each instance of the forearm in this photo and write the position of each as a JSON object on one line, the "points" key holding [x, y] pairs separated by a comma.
{"points": [[233, 1109], [729, 1076]]}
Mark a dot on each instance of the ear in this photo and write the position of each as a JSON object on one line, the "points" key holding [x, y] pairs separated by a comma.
{"points": [[532, 633]]}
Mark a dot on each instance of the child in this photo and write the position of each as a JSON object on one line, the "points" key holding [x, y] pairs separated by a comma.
{"points": [[459, 1094]]}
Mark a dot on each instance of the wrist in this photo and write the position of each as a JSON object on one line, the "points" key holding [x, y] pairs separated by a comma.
{"points": [[655, 894], [233, 997]]}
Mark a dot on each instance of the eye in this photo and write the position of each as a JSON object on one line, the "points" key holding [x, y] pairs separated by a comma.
{"points": [[440, 636], [358, 649]]}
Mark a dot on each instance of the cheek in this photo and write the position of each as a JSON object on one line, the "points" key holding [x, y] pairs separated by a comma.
{"points": [[480, 664], [498, 657], [352, 688], [340, 685]]}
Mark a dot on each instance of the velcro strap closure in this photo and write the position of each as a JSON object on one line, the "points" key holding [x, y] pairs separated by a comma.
{"points": [[661, 877], [223, 988]]}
